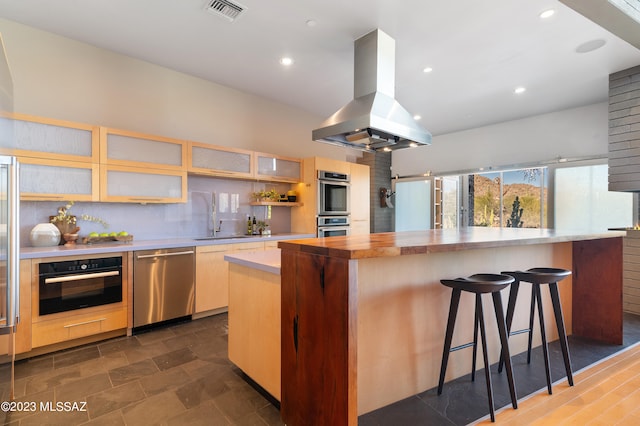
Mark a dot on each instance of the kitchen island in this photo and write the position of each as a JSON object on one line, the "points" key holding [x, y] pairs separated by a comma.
{"points": [[363, 317]]}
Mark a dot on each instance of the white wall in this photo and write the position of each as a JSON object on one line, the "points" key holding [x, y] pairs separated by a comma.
{"points": [[577, 132], [61, 78]]}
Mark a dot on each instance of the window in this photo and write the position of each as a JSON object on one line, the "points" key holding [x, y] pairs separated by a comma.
{"points": [[515, 198], [583, 201]]}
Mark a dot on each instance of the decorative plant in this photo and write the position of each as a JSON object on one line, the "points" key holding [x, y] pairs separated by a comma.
{"points": [[516, 214], [271, 194], [261, 226], [64, 217]]}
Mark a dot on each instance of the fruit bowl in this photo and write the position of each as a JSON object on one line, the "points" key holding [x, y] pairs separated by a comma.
{"points": [[107, 239]]}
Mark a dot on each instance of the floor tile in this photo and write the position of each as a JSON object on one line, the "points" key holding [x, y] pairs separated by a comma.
{"points": [[205, 414], [113, 418], [164, 380], [118, 344], [133, 371], [174, 358], [114, 399], [67, 358], [79, 390], [153, 410]]}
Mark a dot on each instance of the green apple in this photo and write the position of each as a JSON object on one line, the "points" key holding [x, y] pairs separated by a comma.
{"points": [[93, 234], [113, 234], [123, 233], [104, 234]]}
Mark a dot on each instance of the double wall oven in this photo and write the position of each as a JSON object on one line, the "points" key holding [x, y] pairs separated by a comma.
{"points": [[333, 203]]}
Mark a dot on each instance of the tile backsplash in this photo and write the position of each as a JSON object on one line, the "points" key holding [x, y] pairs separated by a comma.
{"points": [[159, 221]]}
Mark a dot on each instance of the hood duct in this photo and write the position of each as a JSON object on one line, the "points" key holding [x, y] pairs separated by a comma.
{"points": [[373, 120]]}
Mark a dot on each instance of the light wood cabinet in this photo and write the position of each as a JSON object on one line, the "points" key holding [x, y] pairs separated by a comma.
{"points": [[212, 274], [212, 277], [254, 325], [81, 323], [277, 169], [126, 148], [44, 179], [360, 199], [139, 185], [437, 203], [205, 159], [59, 159], [39, 137], [303, 219]]}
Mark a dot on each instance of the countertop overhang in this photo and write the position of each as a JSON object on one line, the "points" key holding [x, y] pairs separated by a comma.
{"points": [[436, 240], [267, 260], [116, 247]]}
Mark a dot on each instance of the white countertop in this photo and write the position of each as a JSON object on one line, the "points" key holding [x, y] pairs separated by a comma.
{"points": [[114, 247], [266, 260]]}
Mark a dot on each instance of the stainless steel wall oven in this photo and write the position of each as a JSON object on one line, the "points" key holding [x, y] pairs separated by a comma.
{"points": [[333, 226], [76, 284], [333, 193]]}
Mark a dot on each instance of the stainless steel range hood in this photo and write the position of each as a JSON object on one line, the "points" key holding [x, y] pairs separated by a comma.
{"points": [[373, 120]]}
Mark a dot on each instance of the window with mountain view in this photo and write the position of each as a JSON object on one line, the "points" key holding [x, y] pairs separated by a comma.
{"points": [[515, 198]]}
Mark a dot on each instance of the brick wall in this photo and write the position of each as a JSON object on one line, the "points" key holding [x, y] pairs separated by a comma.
{"points": [[380, 177], [624, 130]]}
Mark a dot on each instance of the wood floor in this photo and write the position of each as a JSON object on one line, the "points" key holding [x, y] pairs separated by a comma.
{"points": [[607, 393]]}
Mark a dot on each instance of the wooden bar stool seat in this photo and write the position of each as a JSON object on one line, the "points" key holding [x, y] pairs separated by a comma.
{"points": [[538, 277], [479, 284]]}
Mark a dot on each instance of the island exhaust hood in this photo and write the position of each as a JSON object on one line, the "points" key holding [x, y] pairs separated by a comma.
{"points": [[373, 120]]}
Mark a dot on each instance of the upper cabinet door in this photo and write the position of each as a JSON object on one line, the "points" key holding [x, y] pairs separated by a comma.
{"points": [[46, 180], [38, 137], [214, 160], [142, 185], [278, 169], [125, 148]]}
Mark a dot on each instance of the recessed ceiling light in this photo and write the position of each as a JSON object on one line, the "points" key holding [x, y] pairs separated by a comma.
{"points": [[590, 46], [286, 61], [417, 117], [547, 14], [311, 23], [519, 90], [427, 70]]}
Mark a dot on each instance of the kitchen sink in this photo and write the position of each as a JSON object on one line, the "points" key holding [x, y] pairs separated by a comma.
{"points": [[228, 237]]}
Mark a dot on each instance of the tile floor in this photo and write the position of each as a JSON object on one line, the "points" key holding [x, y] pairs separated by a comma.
{"points": [[180, 375]]}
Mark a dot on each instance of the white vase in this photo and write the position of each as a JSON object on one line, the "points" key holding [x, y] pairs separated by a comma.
{"points": [[44, 235]]}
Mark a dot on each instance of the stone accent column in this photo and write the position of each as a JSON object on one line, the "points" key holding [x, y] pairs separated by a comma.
{"points": [[624, 130]]}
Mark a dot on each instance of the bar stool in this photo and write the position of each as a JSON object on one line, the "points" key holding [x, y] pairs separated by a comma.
{"points": [[479, 284], [537, 277]]}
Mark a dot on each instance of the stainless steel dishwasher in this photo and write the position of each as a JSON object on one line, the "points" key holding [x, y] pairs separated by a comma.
{"points": [[163, 285]]}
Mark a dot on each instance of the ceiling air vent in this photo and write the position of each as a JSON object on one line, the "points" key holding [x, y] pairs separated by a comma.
{"points": [[228, 10]]}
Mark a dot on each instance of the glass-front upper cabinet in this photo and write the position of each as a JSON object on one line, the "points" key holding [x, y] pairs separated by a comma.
{"points": [[44, 180], [39, 137], [126, 148], [278, 169], [214, 160]]}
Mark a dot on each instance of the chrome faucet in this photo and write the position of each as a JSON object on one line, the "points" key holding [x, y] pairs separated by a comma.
{"points": [[214, 215]]}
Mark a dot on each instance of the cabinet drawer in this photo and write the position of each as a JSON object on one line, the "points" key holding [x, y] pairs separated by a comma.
{"points": [[76, 326]]}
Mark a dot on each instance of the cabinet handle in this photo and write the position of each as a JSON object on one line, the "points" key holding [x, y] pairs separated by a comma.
{"points": [[85, 322], [66, 278], [175, 253]]}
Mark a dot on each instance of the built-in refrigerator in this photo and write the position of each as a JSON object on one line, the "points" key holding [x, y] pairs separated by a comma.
{"points": [[9, 238]]}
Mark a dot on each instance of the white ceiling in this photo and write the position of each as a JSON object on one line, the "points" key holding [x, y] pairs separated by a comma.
{"points": [[479, 50]]}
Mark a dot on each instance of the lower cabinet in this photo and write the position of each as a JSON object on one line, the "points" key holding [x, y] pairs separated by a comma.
{"points": [[212, 277], [68, 327], [212, 274]]}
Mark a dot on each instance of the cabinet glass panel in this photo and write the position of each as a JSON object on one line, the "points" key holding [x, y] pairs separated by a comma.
{"points": [[215, 159], [128, 148], [132, 184], [40, 179], [41, 137], [270, 166]]}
